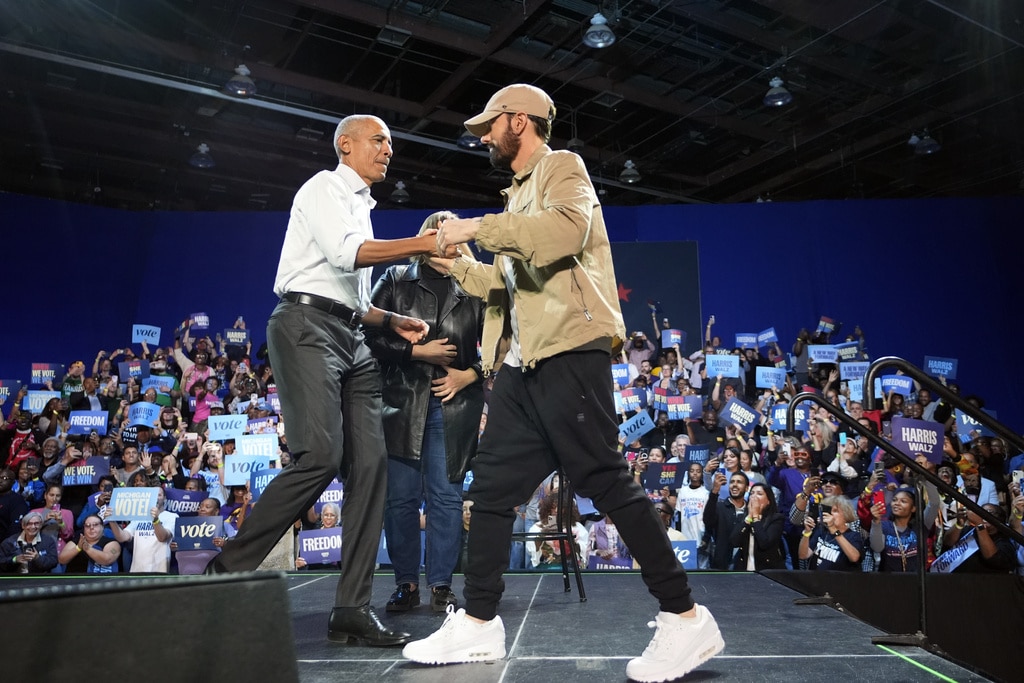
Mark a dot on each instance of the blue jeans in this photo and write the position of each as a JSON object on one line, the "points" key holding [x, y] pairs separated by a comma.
{"points": [[409, 483]]}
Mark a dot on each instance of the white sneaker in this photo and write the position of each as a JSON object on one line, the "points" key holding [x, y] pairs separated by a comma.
{"points": [[679, 646], [460, 639]]}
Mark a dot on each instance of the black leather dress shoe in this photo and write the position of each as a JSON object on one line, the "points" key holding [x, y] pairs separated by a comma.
{"points": [[362, 625], [403, 599], [441, 597]]}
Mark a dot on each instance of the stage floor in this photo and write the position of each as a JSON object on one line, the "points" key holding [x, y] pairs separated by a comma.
{"points": [[552, 636]]}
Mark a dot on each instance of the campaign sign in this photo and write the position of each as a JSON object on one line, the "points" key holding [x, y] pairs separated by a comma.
{"points": [[915, 437], [660, 399], [199, 321], [274, 401], [133, 369], [620, 374], [686, 553], [821, 353], [630, 400], [900, 384], [856, 387], [700, 452], [670, 338], [9, 389], [766, 337], [636, 426], [86, 472], [143, 414], [585, 506], [602, 564], [264, 445], [183, 503], [940, 367], [158, 384], [826, 325], [239, 468], [779, 414], [259, 480], [320, 546], [85, 421], [236, 336], [145, 333], [746, 340], [130, 436], [262, 425], [767, 378], [967, 427], [853, 369], [334, 493], [847, 351], [197, 533], [682, 407], [740, 414], [223, 427], [782, 363], [726, 366], [45, 372], [663, 474], [35, 401], [133, 504]]}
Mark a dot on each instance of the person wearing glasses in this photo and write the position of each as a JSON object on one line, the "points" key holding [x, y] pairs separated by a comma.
{"points": [[29, 552], [91, 552], [665, 512]]}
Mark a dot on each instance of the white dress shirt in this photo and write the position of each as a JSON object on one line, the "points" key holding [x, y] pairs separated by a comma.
{"points": [[330, 220]]}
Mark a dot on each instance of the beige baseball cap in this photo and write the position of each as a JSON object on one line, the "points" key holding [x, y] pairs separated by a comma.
{"points": [[512, 99]]}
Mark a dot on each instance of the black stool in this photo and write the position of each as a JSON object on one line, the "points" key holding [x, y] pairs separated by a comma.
{"points": [[563, 534]]}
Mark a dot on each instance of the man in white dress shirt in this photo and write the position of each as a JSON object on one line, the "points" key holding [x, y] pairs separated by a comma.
{"points": [[329, 383]]}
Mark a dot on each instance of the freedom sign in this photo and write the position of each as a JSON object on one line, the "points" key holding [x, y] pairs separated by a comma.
{"points": [[746, 340], [183, 503], [85, 421], [320, 546], [620, 374], [766, 337], [899, 384]]}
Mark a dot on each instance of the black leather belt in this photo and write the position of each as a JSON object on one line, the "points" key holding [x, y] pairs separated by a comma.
{"points": [[329, 306]]}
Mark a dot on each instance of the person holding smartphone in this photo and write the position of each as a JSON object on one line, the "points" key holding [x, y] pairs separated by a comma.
{"points": [[835, 542]]}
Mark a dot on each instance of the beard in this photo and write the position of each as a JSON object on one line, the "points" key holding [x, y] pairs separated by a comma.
{"points": [[503, 151]]}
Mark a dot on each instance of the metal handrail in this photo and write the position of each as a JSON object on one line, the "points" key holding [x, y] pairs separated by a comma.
{"points": [[939, 390], [900, 456]]}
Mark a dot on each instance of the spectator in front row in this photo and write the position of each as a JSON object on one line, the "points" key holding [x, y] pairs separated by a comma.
{"points": [[29, 552], [151, 551], [759, 539], [721, 517], [12, 505], [836, 542], [91, 552], [57, 522]]}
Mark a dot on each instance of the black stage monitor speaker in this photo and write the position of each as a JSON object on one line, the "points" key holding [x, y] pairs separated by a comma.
{"points": [[234, 627]]}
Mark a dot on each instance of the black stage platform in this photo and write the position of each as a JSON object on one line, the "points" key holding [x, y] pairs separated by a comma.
{"points": [[235, 627], [551, 636]]}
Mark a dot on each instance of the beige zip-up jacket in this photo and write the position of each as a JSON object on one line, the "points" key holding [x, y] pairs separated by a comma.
{"points": [[553, 232]]}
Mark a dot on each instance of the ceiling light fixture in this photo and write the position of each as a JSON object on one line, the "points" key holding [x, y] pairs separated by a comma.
{"points": [[400, 195], [240, 85], [202, 158], [599, 34], [926, 145], [630, 175], [777, 95], [469, 141]]}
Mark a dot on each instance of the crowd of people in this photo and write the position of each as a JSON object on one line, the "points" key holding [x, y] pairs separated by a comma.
{"points": [[824, 497], [763, 499]]}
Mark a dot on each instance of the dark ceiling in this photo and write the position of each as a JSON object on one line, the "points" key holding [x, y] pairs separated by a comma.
{"points": [[105, 101]]}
